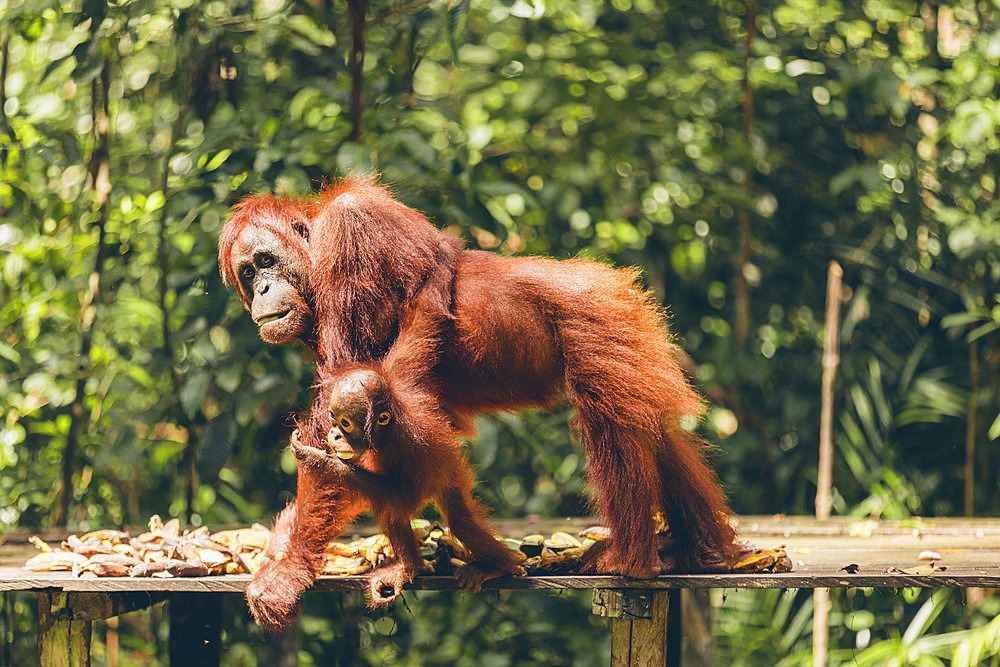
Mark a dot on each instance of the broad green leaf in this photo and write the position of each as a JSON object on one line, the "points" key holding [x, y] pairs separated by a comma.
{"points": [[193, 392], [216, 444]]}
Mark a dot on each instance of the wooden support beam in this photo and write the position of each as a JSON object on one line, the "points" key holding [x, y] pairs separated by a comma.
{"points": [[64, 621], [195, 629], [61, 640], [643, 631]]}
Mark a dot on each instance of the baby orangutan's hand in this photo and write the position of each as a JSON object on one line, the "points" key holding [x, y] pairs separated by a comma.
{"points": [[315, 459]]}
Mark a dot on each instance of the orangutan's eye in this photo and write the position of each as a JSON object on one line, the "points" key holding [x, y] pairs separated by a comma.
{"points": [[384, 418], [346, 425]]}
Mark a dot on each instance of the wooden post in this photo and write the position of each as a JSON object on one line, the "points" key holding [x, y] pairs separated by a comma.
{"points": [[821, 626], [62, 641], [824, 477], [111, 642], [195, 629], [643, 632], [64, 621]]}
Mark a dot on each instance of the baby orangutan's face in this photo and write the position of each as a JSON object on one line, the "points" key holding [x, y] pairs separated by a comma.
{"points": [[359, 413]]}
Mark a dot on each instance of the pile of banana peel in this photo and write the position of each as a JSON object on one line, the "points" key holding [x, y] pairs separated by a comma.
{"points": [[165, 551]]}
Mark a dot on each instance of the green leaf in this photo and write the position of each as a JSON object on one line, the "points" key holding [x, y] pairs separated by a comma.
{"points": [[994, 431], [247, 407], [193, 392], [216, 445], [228, 378], [458, 14], [302, 101], [219, 159], [981, 331], [306, 27], [154, 201], [959, 319], [9, 353], [141, 375]]}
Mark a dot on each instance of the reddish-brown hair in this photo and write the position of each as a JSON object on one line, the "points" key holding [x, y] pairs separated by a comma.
{"points": [[288, 218]]}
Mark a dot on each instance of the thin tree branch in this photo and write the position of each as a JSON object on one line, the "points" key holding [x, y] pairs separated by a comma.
{"points": [[100, 189], [5, 125], [969, 473], [4, 57], [357, 9], [743, 254], [188, 464], [405, 9]]}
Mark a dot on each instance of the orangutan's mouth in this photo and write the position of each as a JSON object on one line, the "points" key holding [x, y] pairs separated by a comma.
{"points": [[274, 317]]}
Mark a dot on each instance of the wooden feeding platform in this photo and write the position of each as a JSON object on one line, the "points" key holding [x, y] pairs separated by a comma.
{"points": [[645, 615]]}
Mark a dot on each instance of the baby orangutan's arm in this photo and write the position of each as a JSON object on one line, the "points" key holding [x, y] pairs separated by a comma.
{"points": [[328, 466]]}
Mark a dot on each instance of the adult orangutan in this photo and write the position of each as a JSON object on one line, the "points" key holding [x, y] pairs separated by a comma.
{"points": [[509, 332], [418, 465]]}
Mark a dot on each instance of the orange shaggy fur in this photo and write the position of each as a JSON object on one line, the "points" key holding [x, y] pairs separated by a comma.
{"points": [[497, 333]]}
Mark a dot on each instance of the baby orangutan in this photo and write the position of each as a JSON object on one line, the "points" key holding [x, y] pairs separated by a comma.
{"points": [[397, 464]]}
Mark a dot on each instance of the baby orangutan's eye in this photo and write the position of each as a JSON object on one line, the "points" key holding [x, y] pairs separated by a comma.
{"points": [[383, 418], [346, 425]]}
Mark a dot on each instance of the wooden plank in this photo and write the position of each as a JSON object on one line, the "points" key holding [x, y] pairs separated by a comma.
{"points": [[62, 642], [621, 642], [102, 606], [650, 646], [64, 627], [750, 527], [640, 627], [195, 629], [621, 608], [237, 583], [969, 548], [611, 603]]}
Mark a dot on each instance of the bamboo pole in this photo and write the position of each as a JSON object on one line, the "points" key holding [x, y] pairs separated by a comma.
{"points": [[831, 358], [824, 478], [969, 473], [973, 596]]}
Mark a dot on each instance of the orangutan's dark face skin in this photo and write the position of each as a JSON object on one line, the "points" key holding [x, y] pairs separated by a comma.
{"points": [[273, 282], [359, 413]]}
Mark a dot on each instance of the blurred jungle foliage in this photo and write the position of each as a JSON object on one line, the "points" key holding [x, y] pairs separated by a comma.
{"points": [[731, 149]]}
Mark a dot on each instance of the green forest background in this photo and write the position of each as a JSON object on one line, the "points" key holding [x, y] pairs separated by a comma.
{"points": [[731, 149]]}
